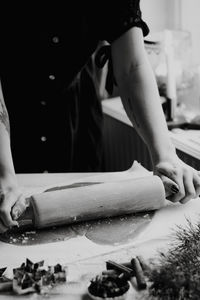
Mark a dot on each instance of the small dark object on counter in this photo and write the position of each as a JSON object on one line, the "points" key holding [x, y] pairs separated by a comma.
{"points": [[111, 272], [30, 277], [2, 270], [145, 267], [127, 264], [141, 282], [57, 268], [107, 286], [27, 281], [126, 272], [119, 267]]}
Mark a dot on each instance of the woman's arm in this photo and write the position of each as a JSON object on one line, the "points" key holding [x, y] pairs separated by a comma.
{"points": [[9, 191], [141, 100]]}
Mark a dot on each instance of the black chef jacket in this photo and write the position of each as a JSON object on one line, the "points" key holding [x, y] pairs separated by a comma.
{"points": [[55, 115]]}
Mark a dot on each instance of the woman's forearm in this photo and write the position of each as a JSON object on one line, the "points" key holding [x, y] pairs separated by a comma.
{"points": [[142, 103], [139, 93], [6, 162]]}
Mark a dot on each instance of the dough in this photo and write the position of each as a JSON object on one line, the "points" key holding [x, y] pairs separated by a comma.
{"points": [[117, 231], [109, 231], [112, 231]]}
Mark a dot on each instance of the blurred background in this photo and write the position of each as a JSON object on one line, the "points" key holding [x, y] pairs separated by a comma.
{"points": [[181, 19]]}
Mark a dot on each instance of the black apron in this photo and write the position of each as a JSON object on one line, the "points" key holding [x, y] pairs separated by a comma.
{"points": [[49, 90], [55, 114]]}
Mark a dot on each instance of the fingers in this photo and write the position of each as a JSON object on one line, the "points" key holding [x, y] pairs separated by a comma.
{"points": [[190, 192], [175, 175], [176, 197], [191, 180], [187, 179], [196, 182], [171, 187], [6, 218], [19, 207], [6, 202], [2, 227]]}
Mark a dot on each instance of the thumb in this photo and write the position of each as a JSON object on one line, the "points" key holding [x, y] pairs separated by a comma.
{"points": [[19, 207], [170, 186]]}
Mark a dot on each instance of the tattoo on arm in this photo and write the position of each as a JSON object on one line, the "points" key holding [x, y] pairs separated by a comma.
{"points": [[133, 113], [4, 119]]}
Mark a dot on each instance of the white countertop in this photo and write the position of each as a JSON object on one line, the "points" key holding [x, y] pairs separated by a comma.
{"points": [[187, 141], [83, 257]]}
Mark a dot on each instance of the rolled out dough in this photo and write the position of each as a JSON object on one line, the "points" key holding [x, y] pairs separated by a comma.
{"points": [[110, 231], [115, 231]]}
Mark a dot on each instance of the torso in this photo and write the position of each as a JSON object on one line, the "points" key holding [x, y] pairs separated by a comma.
{"points": [[40, 57]]}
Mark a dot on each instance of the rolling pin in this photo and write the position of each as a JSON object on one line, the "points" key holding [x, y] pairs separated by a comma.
{"points": [[95, 201]]}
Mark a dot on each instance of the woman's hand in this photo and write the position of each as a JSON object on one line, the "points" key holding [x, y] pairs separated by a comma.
{"points": [[186, 179], [9, 195]]}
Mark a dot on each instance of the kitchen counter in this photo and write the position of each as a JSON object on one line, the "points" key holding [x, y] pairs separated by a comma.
{"points": [[84, 258]]}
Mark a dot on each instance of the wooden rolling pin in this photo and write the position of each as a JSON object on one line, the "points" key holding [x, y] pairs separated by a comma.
{"points": [[95, 201]]}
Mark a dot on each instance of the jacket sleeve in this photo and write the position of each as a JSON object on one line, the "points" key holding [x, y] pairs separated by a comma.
{"points": [[113, 18]]}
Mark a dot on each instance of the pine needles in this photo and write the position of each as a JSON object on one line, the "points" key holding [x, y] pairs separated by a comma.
{"points": [[177, 277]]}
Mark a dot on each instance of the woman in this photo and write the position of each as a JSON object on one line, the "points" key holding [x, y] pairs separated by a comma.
{"points": [[38, 70]]}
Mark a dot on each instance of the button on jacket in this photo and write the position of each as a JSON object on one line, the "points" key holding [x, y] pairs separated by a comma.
{"points": [[43, 50]]}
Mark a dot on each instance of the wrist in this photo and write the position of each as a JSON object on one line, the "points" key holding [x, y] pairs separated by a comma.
{"points": [[162, 153], [8, 179]]}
